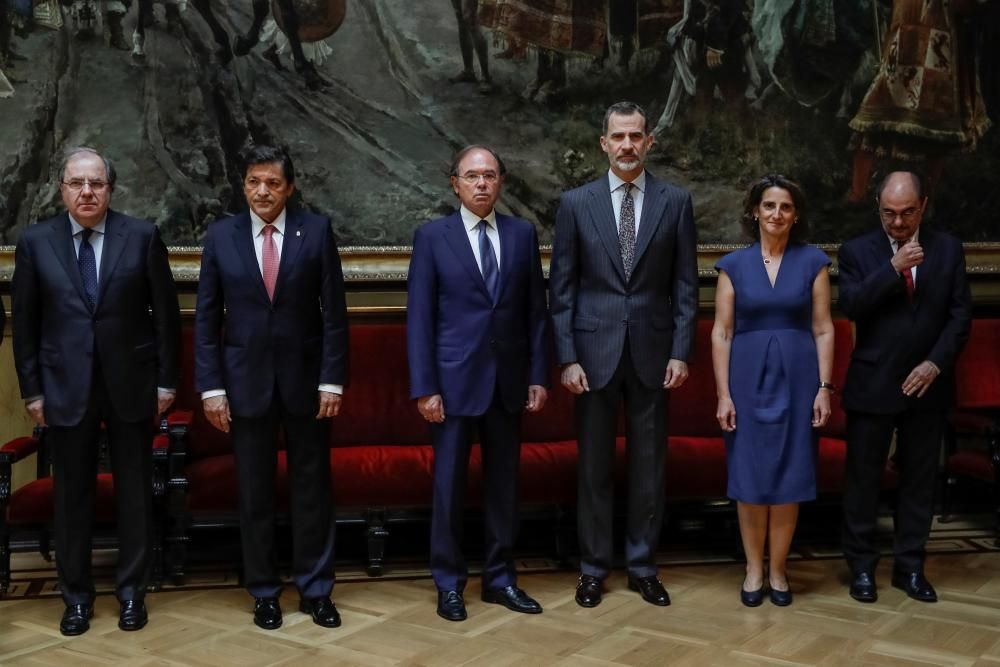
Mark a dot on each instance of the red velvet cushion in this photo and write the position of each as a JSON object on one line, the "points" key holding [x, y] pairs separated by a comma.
{"points": [[377, 408], [32, 503], [692, 407], [978, 367], [974, 463], [843, 346], [696, 467], [20, 447]]}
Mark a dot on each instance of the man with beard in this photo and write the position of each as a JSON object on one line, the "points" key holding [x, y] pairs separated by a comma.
{"points": [[624, 295]]}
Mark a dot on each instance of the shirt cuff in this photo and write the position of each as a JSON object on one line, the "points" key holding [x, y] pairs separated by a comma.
{"points": [[165, 390], [32, 399], [212, 393], [332, 388]]}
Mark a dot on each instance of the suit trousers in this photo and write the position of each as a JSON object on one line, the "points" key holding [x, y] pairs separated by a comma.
{"points": [[499, 432], [646, 450], [255, 444], [918, 447], [75, 452]]}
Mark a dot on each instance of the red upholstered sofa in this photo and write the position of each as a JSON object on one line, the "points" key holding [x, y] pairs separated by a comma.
{"points": [[976, 416], [26, 514], [381, 456]]}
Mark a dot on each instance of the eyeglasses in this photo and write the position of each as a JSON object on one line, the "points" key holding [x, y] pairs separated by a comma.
{"points": [[77, 184], [472, 179], [906, 215]]}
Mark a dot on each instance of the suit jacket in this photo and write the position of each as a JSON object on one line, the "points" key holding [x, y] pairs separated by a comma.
{"points": [[134, 331], [894, 335], [593, 306], [460, 343], [248, 345]]}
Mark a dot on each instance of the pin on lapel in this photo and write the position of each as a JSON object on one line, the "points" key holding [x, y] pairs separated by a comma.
{"points": [[298, 232]]}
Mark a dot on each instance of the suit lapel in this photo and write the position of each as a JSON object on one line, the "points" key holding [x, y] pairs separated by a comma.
{"points": [[243, 242], [931, 257], [654, 200], [295, 236], [506, 253], [458, 238], [115, 238], [603, 215], [63, 248]]}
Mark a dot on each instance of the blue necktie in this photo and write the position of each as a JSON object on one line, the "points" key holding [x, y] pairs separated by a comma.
{"points": [[87, 262], [489, 261]]}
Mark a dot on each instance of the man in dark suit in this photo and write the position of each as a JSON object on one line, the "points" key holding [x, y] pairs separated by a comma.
{"points": [[476, 337], [96, 338], [906, 290], [624, 295], [270, 350]]}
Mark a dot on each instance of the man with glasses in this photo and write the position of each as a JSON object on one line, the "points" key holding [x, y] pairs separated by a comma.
{"points": [[906, 290], [96, 340], [477, 332], [270, 352]]}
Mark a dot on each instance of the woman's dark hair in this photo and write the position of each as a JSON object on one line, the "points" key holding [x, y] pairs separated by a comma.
{"points": [[800, 230]]}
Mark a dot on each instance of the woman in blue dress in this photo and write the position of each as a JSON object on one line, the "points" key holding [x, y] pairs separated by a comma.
{"points": [[772, 351]]}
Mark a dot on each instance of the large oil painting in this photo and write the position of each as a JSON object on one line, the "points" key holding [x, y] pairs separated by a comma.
{"points": [[372, 97]]}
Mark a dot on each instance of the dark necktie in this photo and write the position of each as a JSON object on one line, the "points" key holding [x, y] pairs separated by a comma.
{"points": [[87, 262], [489, 261], [626, 230]]}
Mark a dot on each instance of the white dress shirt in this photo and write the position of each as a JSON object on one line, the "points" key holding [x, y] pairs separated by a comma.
{"points": [[471, 221], [257, 225], [618, 193]]}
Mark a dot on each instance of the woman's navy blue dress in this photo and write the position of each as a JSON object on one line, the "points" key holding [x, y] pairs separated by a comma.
{"points": [[773, 377]]}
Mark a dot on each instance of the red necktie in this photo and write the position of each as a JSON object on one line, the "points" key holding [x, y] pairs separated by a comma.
{"points": [[908, 279], [269, 259]]}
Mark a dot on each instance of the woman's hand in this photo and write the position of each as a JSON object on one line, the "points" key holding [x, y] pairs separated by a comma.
{"points": [[726, 414], [821, 408]]}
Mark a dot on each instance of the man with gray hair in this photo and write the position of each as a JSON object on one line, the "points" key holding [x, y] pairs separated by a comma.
{"points": [[96, 340]]}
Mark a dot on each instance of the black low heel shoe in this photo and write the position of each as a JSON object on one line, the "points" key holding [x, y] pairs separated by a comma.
{"points": [[781, 598], [752, 598]]}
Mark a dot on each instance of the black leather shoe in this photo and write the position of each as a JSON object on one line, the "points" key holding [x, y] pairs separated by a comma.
{"points": [[915, 585], [451, 606], [513, 598], [267, 613], [322, 610], [863, 587], [651, 590], [752, 598], [76, 619], [781, 598], [133, 615], [588, 591]]}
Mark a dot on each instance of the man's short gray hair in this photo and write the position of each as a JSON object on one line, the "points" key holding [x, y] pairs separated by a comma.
{"points": [[73, 151]]}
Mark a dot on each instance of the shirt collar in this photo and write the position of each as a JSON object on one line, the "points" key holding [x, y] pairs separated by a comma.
{"points": [[77, 227], [258, 223], [471, 220], [893, 242], [639, 183]]}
